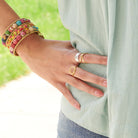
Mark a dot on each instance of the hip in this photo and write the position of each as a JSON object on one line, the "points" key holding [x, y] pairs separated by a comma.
{"points": [[69, 129]]}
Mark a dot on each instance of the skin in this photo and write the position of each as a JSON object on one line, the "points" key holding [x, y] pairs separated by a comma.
{"points": [[45, 58]]}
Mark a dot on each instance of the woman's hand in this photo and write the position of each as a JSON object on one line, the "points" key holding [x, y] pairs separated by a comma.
{"points": [[51, 60]]}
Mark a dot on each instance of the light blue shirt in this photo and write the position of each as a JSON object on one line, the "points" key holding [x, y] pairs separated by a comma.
{"points": [[110, 28]]}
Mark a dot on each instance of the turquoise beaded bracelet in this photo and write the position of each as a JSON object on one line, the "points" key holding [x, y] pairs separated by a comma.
{"points": [[18, 31], [11, 28]]}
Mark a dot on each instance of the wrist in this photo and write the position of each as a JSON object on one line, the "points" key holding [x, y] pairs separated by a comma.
{"points": [[30, 45]]}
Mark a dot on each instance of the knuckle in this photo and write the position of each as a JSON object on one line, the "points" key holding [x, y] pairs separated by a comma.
{"points": [[66, 54], [69, 68]]}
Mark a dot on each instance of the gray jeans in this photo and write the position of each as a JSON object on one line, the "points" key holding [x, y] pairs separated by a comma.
{"points": [[69, 129]]}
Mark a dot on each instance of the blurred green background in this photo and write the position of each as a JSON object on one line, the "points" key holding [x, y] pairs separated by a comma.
{"points": [[44, 14]]}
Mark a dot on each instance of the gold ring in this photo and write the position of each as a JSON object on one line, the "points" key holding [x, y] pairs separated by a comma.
{"points": [[72, 70], [82, 57]]}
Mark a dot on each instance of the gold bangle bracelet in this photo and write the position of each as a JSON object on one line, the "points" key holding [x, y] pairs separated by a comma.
{"points": [[14, 51]]}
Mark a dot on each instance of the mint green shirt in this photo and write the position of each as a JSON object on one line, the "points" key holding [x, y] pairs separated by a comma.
{"points": [[110, 28]]}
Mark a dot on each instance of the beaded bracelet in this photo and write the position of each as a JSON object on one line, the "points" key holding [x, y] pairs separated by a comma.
{"points": [[11, 27], [18, 31], [19, 40]]}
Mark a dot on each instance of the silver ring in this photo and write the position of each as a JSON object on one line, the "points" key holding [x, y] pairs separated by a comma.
{"points": [[77, 57]]}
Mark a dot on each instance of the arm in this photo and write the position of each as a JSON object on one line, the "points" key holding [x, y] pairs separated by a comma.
{"points": [[51, 60], [7, 16]]}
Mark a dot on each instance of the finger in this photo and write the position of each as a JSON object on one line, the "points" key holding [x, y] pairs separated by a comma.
{"points": [[84, 87], [95, 59], [64, 90], [90, 77]]}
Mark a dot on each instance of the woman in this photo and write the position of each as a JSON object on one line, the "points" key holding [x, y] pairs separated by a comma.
{"points": [[98, 28]]}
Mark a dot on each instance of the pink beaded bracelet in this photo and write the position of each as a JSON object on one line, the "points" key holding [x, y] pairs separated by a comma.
{"points": [[19, 39], [11, 28], [18, 31]]}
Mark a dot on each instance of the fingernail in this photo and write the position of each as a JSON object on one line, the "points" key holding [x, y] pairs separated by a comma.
{"points": [[105, 83], [98, 93]]}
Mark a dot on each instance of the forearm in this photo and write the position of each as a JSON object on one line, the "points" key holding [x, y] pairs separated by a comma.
{"points": [[7, 16]]}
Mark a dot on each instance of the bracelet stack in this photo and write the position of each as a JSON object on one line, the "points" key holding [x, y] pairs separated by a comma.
{"points": [[16, 32]]}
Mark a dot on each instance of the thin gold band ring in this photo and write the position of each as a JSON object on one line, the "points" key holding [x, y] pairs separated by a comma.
{"points": [[82, 57], [72, 70]]}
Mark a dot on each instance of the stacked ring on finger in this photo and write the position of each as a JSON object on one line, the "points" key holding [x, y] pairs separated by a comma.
{"points": [[72, 69], [81, 59], [77, 57]]}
